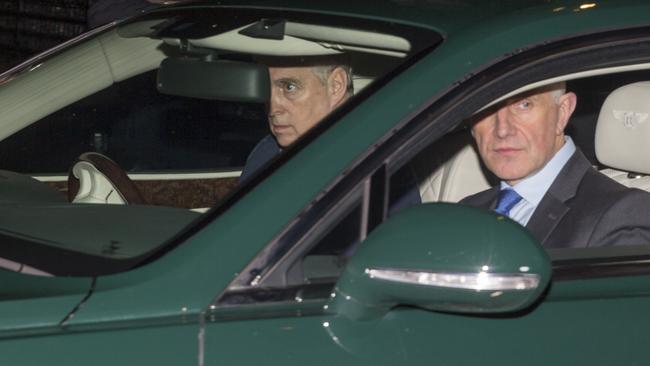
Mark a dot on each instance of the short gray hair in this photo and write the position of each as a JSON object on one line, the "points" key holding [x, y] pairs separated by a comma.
{"points": [[322, 65], [323, 72], [557, 90]]}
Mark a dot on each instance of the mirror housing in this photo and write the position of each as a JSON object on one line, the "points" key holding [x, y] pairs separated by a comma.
{"points": [[224, 80], [443, 257]]}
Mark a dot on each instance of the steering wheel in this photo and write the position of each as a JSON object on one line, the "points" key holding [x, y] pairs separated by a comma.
{"points": [[94, 178]]}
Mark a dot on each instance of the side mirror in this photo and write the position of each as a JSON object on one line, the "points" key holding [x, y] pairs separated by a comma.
{"points": [[225, 80], [443, 257]]}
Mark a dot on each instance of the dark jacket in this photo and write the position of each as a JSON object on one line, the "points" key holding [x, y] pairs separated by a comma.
{"points": [[583, 208]]}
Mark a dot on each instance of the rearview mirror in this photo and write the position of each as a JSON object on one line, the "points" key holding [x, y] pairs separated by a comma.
{"points": [[225, 80], [443, 257]]}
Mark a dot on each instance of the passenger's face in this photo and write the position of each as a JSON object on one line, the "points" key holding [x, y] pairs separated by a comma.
{"points": [[299, 100], [522, 136]]}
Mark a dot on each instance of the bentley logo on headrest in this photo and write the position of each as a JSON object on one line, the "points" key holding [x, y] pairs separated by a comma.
{"points": [[630, 119]]}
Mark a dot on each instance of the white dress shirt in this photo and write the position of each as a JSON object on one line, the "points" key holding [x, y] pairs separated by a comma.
{"points": [[533, 188]]}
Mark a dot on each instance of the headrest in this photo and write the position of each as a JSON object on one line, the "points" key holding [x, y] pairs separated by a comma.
{"points": [[623, 129]]}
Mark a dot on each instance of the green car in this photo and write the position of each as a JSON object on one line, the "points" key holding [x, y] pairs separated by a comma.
{"points": [[126, 237]]}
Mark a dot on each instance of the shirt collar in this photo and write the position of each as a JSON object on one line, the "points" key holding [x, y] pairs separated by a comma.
{"points": [[533, 188]]}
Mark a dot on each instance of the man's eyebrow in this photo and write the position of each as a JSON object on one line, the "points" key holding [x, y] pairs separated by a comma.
{"points": [[285, 81], [519, 98]]}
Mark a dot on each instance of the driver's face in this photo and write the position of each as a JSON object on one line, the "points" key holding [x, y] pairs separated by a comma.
{"points": [[519, 138], [299, 100]]}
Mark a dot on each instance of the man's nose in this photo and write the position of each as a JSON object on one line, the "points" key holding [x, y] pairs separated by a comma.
{"points": [[276, 105], [503, 123]]}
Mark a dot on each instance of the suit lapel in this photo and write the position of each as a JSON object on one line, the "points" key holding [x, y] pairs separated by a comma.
{"points": [[553, 207], [546, 217], [488, 200]]}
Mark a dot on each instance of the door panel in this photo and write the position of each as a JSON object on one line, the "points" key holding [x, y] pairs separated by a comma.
{"points": [[170, 345], [589, 328]]}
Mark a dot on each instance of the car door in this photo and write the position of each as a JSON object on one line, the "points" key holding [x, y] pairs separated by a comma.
{"points": [[286, 307]]}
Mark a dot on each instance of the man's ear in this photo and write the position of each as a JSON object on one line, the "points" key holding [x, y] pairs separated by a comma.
{"points": [[567, 104], [337, 84]]}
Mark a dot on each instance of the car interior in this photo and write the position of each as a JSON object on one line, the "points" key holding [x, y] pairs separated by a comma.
{"points": [[449, 169], [608, 125], [177, 60], [192, 60], [185, 58]]}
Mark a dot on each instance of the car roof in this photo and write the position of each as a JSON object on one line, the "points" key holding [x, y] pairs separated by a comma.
{"points": [[446, 16]]}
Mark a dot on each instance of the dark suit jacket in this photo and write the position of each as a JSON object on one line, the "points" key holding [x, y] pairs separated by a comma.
{"points": [[583, 208], [265, 150]]}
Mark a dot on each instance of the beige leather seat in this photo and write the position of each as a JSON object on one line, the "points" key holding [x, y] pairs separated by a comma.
{"points": [[450, 170], [623, 135]]}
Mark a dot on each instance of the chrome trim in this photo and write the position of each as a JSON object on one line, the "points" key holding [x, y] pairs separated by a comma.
{"points": [[201, 338], [22, 268], [256, 303], [580, 269], [478, 281]]}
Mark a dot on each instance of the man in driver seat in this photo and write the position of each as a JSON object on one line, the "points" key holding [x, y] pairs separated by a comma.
{"points": [[303, 92]]}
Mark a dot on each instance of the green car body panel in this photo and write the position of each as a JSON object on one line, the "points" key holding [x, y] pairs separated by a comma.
{"points": [[160, 313]]}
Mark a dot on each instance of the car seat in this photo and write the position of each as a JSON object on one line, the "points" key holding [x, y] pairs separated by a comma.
{"points": [[622, 137], [451, 169]]}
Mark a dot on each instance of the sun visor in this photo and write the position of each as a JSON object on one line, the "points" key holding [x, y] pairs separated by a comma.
{"points": [[299, 40]]}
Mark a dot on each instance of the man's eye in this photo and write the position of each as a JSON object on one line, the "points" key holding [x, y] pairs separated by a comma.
{"points": [[289, 87], [524, 104]]}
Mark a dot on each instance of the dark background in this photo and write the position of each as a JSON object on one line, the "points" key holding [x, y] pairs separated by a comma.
{"points": [[28, 27]]}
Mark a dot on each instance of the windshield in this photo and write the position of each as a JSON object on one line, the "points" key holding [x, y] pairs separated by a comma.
{"points": [[114, 144]]}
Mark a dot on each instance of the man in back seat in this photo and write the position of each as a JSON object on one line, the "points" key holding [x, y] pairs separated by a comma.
{"points": [[547, 184]]}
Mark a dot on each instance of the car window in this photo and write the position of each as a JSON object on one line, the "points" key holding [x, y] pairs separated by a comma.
{"points": [[151, 122], [593, 91], [452, 170], [325, 262]]}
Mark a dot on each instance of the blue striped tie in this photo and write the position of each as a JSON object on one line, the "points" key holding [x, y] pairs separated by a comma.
{"points": [[507, 199]]}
